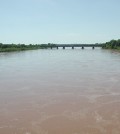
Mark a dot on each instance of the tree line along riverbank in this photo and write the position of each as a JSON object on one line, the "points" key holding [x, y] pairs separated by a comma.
{"points": [[22, 47], [113, 44]]}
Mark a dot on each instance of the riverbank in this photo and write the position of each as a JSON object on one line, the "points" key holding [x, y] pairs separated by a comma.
{"points": [[22, 47], [113, 44], [17, 49], [109, 48]]}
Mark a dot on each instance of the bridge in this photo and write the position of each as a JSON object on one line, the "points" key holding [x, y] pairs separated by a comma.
{"points": [[75, 45]]}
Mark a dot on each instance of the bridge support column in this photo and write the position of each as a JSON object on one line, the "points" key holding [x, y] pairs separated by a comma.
{"points": [[72, 47], [82, 47], [63, 47], [57, 47], [93, 47], [51, 47]]}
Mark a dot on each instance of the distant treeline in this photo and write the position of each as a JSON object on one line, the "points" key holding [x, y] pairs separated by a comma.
{"points": [[113, 44], [21, 47]]}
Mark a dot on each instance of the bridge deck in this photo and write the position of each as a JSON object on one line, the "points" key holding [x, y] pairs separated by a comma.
{"points": [[77, 45], [81, 45]]}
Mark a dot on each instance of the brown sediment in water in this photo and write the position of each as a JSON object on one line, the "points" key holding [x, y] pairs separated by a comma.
{"points": [[79, 103], [67, 114]]}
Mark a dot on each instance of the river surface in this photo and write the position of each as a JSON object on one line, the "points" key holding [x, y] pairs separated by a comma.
{"points": [[60, 92]]}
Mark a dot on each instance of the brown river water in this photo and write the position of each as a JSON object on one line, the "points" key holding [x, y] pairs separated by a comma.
{"points": [[60, 92]]}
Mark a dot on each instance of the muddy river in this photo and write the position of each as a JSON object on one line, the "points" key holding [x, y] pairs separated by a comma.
{"points": [[60, 92]]}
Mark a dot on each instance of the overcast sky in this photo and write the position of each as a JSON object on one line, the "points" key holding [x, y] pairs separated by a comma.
{"points": [[59, 21]]}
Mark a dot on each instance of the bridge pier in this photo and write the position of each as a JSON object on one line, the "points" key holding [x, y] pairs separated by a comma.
{"points": [[51, 47], [93, 47], [63, 47], [82, 47], [72, 47], [57, 47]]}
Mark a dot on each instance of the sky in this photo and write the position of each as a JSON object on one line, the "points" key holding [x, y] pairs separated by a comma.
{"points": [[59, 21]]}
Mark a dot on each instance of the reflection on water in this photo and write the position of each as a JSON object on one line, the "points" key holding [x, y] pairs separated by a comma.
{"points": [[60, 92]]}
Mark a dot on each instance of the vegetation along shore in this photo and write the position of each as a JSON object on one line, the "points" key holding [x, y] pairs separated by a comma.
{"points": [[22, 47], [113, 44]]}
